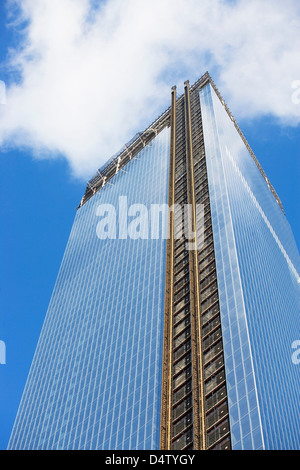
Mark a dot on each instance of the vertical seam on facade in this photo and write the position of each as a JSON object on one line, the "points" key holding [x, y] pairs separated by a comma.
{"points": [[197, 355], [166, 409]]}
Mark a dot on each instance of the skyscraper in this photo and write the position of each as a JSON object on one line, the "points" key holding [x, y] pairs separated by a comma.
{"points": [[172, 329]]}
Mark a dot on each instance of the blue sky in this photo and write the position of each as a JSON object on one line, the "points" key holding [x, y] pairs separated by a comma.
{"points": [[55, 131]]}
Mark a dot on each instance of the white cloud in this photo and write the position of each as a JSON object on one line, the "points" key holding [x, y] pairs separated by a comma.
{"points": [[91, 77]]}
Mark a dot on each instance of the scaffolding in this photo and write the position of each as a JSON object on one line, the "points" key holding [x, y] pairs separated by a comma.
{"points": [[141, 139]]}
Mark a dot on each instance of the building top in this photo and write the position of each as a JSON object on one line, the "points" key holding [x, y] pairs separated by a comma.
{"points": [[141, 139]]}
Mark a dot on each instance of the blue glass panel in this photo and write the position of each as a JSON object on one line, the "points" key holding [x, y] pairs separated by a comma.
{"points": [[258, 277], [95, 381]]}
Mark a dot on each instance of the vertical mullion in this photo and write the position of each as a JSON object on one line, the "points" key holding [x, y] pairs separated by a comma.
{"points": [[166, 406], [197, 362]]}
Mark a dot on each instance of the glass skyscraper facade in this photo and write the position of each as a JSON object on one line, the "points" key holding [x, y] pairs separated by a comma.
{"points": [[258, 273], [149, 344]]}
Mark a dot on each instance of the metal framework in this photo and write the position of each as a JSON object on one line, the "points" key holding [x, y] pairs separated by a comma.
{"points": [[166, 405], [194, 412], [141, 139]]}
